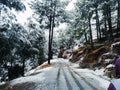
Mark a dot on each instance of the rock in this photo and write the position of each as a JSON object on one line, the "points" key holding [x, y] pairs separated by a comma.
{"points": [[107, 58], [110, 70], [95, 54], [76, 55], [116, 48]]}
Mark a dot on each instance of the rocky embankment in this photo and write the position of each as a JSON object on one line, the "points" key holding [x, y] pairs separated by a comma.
{"points": [[102, 56]]}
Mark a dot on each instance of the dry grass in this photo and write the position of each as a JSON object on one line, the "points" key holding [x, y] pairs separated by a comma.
{"points": [[46, 65]]}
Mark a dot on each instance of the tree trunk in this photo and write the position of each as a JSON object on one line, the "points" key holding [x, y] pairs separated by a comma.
{"points": [[97, 24], [105, 11], [23, 66], [49, 42], [109, 22], [51, 27], [85, 34], [105, 23], [11, 60], [91, 38]]}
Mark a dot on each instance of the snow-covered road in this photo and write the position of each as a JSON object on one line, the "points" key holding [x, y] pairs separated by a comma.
{"points": [[61, 75]]}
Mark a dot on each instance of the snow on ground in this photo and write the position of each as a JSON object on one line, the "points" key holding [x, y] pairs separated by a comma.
{"points": [[110, 65], [117, 43], [96, 75], [37, 72], [63, 75], [2, 83]]}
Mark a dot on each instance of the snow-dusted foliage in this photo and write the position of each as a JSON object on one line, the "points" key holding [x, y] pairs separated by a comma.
{"points": [[16, 4], [66, 38], [37, 38], [17, 45], [6, 16]]}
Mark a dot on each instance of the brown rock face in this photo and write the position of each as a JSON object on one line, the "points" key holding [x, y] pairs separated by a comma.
{"points": [[95, 54], [91, 58]]}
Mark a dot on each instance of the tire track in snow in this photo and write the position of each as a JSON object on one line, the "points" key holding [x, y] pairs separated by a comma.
{"points": [[74, 72], [76, 80], [67, 80], [75, 76], [53, 83], [61, 82], [57, 79], [79, 86], [63, 64]]}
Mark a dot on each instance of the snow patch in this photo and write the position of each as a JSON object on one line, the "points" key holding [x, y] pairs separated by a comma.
{"points": [[2, 83], [110, 66]]}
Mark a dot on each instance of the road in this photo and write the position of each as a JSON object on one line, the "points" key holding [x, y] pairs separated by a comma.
{"points": [[60, 76]]}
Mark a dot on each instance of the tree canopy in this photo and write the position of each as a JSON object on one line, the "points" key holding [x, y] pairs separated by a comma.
{"points": [[16, 4]]}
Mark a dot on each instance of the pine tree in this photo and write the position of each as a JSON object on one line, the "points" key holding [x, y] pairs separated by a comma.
{"points": [[50, 12]]}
